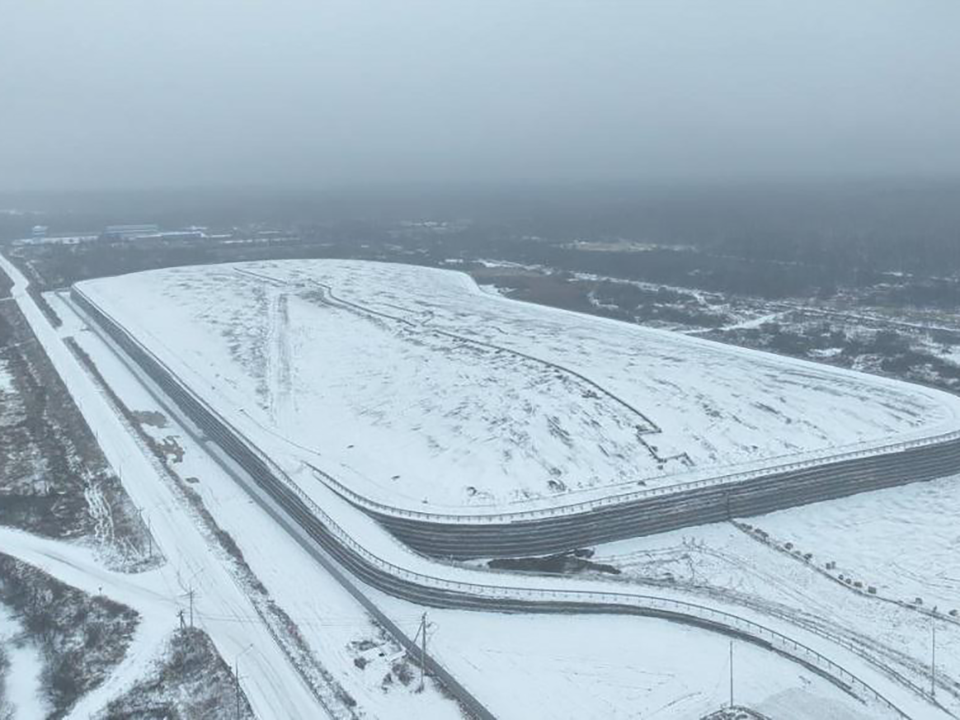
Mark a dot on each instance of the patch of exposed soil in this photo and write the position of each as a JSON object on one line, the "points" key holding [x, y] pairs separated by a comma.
{"points": [[150, 417], [570, 563]]}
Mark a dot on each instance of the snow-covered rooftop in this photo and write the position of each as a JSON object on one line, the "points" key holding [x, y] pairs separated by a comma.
{"points": [[414, 388]]}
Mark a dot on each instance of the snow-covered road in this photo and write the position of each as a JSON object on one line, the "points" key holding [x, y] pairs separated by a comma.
{"points": [[271, 685]]}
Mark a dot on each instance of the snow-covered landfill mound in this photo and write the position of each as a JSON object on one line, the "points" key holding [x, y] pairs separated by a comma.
{"points": [[414, 388]]}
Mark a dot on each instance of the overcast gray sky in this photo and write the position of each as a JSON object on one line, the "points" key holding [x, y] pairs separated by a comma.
{"points": [[140, 93]]}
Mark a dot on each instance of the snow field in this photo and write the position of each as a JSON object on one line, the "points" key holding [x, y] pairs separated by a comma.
{"points": [[720, 561], [566, 674], [361, 526], [903, 541], [336, 628], [416, 388], [557, 666]]}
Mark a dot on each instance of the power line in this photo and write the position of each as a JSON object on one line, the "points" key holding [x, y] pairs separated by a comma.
{"points": [[422, 636]]}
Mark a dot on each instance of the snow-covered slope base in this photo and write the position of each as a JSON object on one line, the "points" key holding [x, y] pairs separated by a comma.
{"points": [[415, 389]]}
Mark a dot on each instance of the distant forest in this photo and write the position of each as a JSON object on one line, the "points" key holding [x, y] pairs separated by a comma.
{"points": [[773, 240]]}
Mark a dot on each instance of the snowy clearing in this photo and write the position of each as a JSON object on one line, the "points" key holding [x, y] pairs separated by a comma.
{"points": [[20, 687], [415, 387], [722, 561], [619, 668], [902, 541]]}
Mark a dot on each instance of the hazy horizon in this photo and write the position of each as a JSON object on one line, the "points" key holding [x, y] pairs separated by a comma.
{"points": [[125, 94]]}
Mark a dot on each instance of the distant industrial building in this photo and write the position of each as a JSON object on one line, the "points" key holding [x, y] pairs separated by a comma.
{"points": [[127, 232], [39, 232]]}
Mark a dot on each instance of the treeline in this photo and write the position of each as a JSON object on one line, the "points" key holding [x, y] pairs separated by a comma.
{"points": [[787, 240]]}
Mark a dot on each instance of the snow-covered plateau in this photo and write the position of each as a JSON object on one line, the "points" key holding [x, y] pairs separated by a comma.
{"points": [[415, 388]]}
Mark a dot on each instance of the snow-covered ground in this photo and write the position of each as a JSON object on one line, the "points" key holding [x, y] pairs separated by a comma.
{"points": [[903, 541], [6, 379], [149, 593], [361, 526], [416, 388], [521, 666], [615, 667], [722, 561], [20, 687], [339, 632]]}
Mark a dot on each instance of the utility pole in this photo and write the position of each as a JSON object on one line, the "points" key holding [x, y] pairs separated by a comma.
{"points": [[149, 528], [933, 662], [236, 680], [423, 648], [236, 675], [731, 673], [191, 606]]}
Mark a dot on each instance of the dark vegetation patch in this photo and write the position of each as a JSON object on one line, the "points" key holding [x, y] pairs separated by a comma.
{"points": [[189, 681], [403, 672], [570, 563], [764, 240], [59, 266], [81, 638], [382, 657], [935, 292], [655, 305], [895, 350], [150, 417], [617, 300], [555, 289], [54, 480], [736, 713], [171, 449], [6, 708], [34, 291]]}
